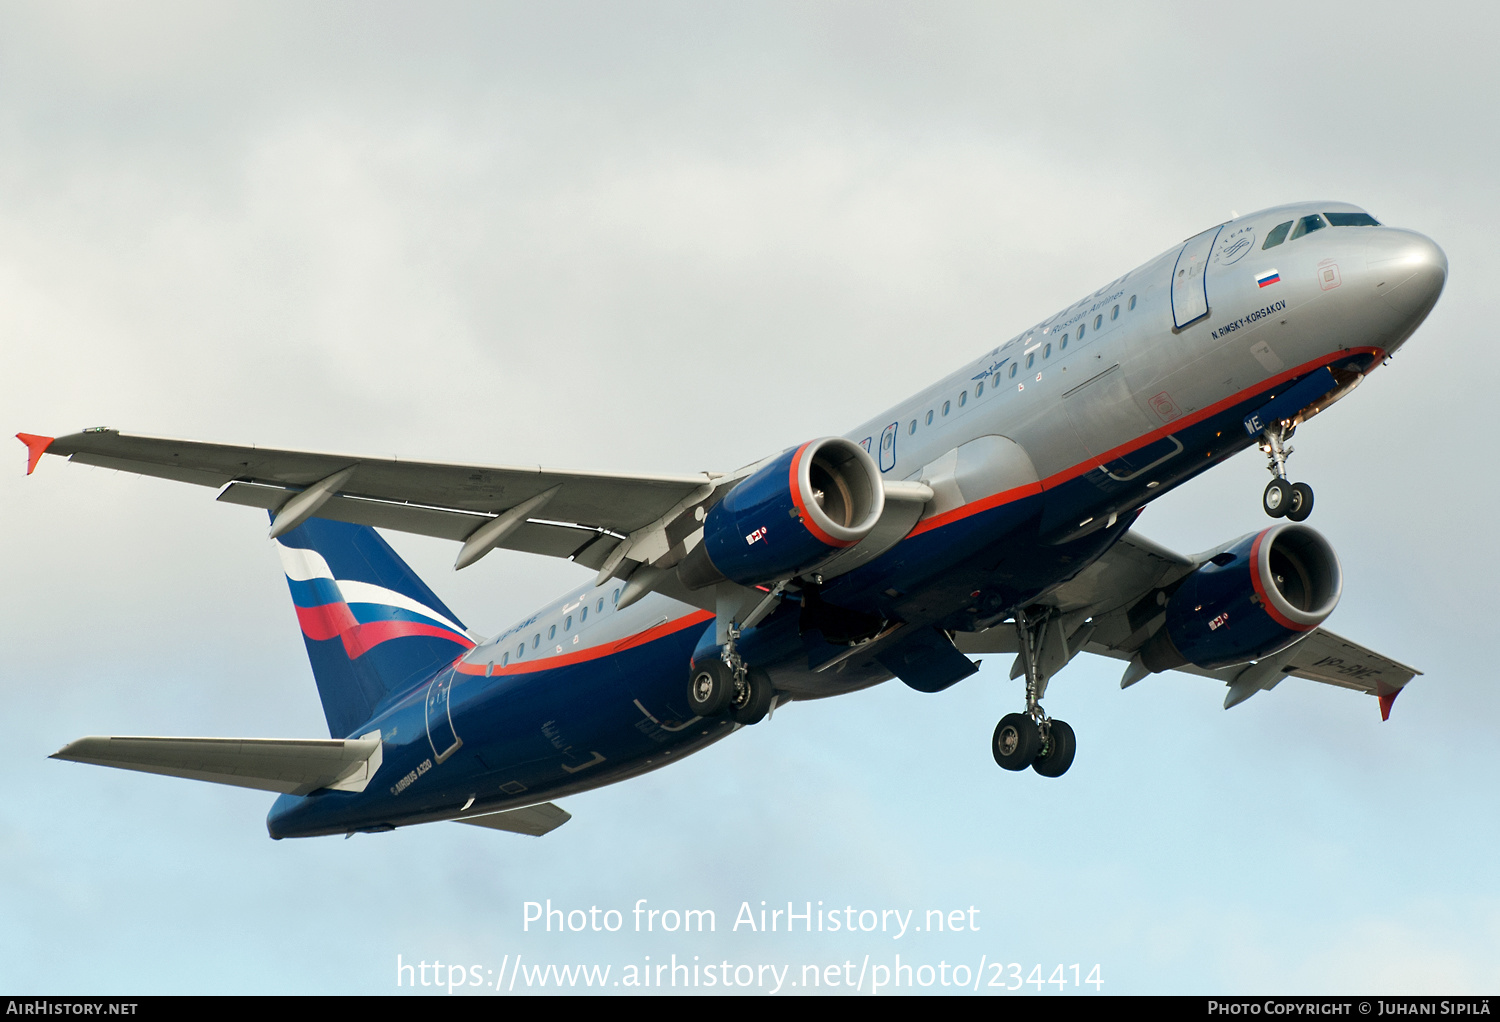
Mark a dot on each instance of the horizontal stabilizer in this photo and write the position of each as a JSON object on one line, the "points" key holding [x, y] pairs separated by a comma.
{"points": [[534, 820], [288, 765]]}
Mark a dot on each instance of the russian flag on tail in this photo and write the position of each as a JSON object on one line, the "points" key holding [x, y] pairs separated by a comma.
{"points": [[372, 627], [361, 615]]}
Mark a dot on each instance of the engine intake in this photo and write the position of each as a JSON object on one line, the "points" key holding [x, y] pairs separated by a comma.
{"points": [[789, 516], [1254, 599]]}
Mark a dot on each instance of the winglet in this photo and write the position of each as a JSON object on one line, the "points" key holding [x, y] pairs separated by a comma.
{"points": [[36, 446], [1386, 699]]}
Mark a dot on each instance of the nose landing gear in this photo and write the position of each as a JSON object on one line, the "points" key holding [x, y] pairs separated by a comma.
{"points": [[1033, 739], [1282, 499]]}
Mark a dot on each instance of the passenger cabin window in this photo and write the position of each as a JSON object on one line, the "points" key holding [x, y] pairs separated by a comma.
{"points": [[568, 623], [979, 389], [1277, 235], [505, 660], [1098, 321], [584, 616], [1013, 370], [929, 416], [1351, 220], [1062, 345], [1131, 307], [963, 399], [617, 596], [1114, 313], [536, 640], [912, 428], [1307, 225], [946, 405], [1031, 360], [1080, 331], [599, 607], [551, 633], [1047, 351], [520, 651]]}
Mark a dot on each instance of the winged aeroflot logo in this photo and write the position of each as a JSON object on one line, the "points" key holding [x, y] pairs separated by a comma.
{"points": [[993, 370]]}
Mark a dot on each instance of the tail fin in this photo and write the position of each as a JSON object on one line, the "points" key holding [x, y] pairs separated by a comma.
{"points": [[372, 627]]}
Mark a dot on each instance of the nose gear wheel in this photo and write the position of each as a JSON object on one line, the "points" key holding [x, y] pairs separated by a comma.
{"points": [[1283, 499]]}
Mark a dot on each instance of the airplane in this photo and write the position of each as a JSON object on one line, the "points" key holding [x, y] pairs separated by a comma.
{"points": [[990, 513]]}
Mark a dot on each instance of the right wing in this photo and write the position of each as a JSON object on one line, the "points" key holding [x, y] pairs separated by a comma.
{"points": [[1110, 608]]}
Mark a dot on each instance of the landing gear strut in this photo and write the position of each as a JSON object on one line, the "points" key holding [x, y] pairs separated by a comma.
{"points": [[1281, 498], [1032, 739], [728, 683]]}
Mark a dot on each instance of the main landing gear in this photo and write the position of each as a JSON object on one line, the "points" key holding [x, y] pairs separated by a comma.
{"points": [[729, 684], [1283, 499], [1032, 739]]}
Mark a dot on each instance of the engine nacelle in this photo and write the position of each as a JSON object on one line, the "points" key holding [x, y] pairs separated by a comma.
{"points": [[789, 516], [1254, 599]]}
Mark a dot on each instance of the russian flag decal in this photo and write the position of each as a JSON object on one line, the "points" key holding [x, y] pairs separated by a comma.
{"points": [[1268, 278]]}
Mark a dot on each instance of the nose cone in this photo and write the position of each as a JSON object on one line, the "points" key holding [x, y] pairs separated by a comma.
{"points": [[1407, 269]]}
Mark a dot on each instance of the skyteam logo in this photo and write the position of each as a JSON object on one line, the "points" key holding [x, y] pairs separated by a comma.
{"points": [[1235, 246], [361, 614]]}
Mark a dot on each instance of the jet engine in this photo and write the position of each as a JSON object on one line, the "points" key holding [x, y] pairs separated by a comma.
{"points": [[1253, 599], [790, 516]]}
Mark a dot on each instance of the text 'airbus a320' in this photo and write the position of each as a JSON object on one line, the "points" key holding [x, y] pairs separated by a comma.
{"points": [[989, 513]]}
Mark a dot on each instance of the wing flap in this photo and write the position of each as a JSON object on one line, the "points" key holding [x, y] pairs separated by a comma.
{"points": [[546, 538], [536, 820], [290, 766]]}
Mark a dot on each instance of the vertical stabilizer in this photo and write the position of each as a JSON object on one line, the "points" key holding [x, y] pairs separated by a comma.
{"points": [[372, 627]]}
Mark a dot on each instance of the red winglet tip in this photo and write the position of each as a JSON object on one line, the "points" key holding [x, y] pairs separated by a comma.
{"points": [[1385, 703], [36, 446]]}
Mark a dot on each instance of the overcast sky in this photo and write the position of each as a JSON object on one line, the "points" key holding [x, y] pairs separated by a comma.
{"points": [[675, 237]]}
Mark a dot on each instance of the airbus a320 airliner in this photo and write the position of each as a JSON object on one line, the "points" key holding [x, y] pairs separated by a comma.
{"points": [[989, 513]]}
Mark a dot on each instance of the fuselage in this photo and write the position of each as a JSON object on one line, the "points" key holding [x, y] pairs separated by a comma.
{"points": [[1040, 452]]}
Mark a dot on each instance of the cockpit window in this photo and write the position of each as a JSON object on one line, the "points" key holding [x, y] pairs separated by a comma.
{"points": [[1307, 225], [1351, 220], [1277, 235]]}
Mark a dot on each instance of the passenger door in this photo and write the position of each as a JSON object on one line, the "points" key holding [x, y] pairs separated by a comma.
{"points": [[1189, 283], [440, 733]]}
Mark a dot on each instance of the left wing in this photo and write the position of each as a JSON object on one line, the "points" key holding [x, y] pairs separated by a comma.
{"points": [[1111, 609], [584, 516], [630, 527]]}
